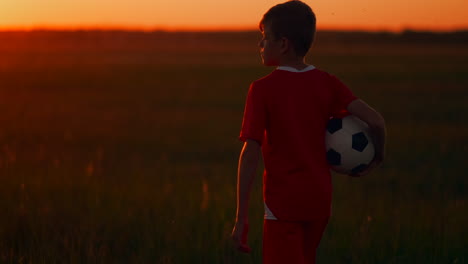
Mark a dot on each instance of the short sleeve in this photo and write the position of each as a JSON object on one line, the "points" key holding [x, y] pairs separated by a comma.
{"points": [[341, 96], [254, 120]]}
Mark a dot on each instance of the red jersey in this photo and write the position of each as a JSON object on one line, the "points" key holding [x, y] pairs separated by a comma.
{"points": [[287, 113]]}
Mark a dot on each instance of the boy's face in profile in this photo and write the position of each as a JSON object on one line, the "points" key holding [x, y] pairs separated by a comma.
{"points": [[270, 47]]}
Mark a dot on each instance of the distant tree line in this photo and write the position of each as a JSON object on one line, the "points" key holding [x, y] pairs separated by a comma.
{"points": [[123, 37]]}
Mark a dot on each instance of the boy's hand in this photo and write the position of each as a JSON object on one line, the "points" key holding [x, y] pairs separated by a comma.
{"points": [[239, 236], [375, 163]]}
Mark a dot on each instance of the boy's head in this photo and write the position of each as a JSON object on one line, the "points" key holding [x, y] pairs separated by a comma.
{"points": [[292, 20]]}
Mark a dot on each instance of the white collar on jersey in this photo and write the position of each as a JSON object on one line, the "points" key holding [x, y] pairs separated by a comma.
{"points": [[291, 69]]}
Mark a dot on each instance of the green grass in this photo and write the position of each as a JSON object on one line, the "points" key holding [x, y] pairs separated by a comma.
{"points": [[127, 152]]}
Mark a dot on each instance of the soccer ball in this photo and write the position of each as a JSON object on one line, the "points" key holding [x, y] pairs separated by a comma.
{"points": [[349, 145]]}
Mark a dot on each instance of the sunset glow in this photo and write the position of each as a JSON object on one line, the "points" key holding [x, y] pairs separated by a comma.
{"points": [[232, 15]]}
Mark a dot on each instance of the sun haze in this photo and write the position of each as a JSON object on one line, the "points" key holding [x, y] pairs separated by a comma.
{"points": [[393, 15]]}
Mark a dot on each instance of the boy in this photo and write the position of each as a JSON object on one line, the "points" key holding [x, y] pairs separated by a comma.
{"points": [[286, 113]]}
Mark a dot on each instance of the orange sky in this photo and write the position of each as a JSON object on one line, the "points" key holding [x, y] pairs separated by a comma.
{"points": [[392, 15]]}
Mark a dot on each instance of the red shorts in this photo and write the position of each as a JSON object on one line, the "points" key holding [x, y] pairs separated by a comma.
{"points": [[291, 242]]}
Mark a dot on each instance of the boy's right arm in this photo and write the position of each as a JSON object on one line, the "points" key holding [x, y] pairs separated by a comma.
{"points": [[248, 162], [376, 123]]}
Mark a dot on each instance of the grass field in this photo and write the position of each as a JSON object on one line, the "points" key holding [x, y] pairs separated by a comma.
{"points": [[121, 147]]}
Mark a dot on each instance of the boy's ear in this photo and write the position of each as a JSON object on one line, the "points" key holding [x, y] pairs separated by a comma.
{"points": [[285, 45]]}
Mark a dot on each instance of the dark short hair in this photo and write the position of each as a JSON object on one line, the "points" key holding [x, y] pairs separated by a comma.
{"points": [[293, 20]]}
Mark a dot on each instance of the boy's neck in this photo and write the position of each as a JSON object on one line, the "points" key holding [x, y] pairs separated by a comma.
{"points": [[296, 63]]}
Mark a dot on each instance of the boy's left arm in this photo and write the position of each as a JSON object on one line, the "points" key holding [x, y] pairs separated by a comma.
{"points": [[376, 124], [248, 162]]}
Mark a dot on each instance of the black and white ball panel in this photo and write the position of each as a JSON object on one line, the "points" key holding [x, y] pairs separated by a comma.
{"points": [[349, 146]]}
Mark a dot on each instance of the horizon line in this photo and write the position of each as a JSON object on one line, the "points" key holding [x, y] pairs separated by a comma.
{"points": [[217, 29]]}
